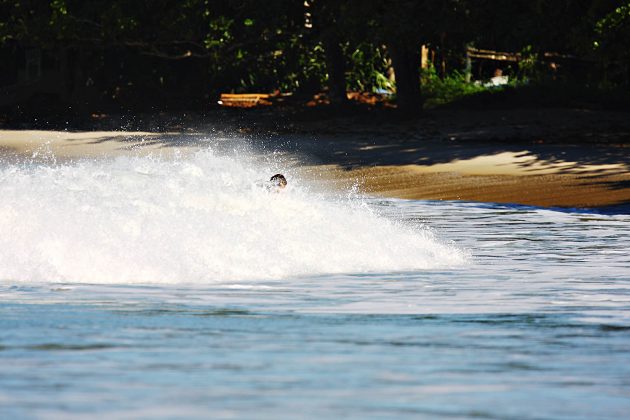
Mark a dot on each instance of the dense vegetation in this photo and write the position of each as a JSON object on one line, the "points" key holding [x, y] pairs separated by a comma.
{"points": [[185, 52]]}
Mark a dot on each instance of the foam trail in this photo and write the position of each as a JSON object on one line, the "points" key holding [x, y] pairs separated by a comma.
{"points": [[195, 219]]}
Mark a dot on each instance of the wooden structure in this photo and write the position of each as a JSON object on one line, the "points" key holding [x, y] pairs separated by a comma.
{"points": [[492, 55], [244, 100]]}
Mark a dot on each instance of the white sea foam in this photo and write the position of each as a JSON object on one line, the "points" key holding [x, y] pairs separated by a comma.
{"points": [[196, 219]]}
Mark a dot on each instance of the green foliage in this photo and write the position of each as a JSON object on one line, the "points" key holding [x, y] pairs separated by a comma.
{"points": [[311, 71], [24, 21], [546, 95], [614, 22], [531, 68], [367, 69], [612, 41], [528, 65], [438, 91]]}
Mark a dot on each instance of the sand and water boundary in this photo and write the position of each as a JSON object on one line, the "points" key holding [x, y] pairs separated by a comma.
{"points": [[474, 157]]}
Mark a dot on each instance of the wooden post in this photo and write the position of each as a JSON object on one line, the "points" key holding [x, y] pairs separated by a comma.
{"points": [[468, 68], [424, 57]]}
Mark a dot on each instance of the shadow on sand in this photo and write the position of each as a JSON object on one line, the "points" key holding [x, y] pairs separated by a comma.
{"points": [[590, 145]]}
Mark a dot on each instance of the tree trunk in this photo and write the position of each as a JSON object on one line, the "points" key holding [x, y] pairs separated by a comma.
{"points": [[468, 67], [335, 66], [406, 61]]}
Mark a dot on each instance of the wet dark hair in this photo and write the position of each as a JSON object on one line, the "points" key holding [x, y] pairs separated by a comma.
{"points": [[279, 180]]}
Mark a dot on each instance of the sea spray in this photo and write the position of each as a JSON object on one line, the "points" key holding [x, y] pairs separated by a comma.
{"points": [[196, 218]]}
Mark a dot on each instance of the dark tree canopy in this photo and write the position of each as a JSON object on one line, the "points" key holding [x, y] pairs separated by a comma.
{"points": [[189, 51]]}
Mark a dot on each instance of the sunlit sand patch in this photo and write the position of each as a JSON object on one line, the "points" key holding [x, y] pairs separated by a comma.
{"points": [[65, 144]]}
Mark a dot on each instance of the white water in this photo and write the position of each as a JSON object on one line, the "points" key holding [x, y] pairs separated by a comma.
{"points": [[265, 307], [197, 219]]}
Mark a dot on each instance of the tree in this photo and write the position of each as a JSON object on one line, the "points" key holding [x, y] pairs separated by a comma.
{"points": [[327, 21]]}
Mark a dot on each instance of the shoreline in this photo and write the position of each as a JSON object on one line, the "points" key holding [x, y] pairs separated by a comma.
{"points": [[559, 191], [396, 163]]}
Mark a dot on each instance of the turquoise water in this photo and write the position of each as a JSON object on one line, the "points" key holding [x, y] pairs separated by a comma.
{"points": [[112, 305]]}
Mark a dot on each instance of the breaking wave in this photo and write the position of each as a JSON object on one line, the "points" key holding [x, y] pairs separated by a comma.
{"points": [[195, 219]]}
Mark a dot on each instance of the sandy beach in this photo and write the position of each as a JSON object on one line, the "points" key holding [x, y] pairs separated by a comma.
{"points": [[520, 160]]}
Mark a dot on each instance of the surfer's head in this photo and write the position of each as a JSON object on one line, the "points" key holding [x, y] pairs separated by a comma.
{"points": [[279, 181]]}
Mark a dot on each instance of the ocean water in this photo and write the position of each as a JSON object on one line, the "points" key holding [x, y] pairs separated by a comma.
{"points": [[181, 286]]}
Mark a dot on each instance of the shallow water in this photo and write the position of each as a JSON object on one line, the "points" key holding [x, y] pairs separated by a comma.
{"points": [[160, 288]]}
